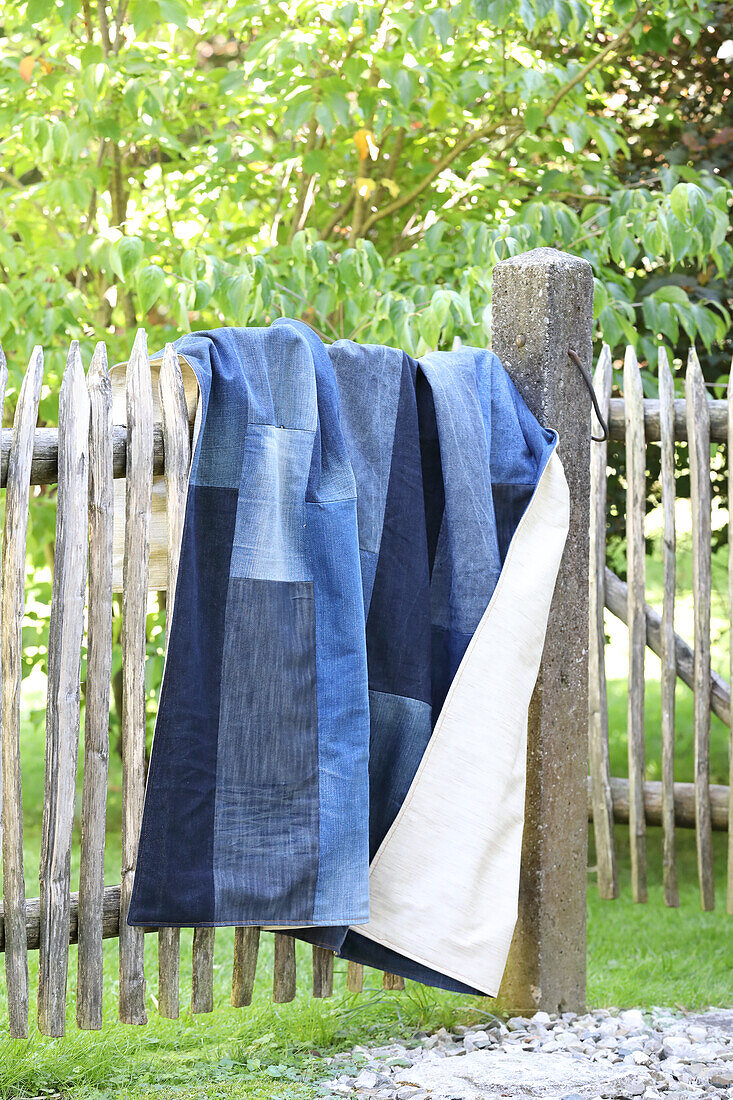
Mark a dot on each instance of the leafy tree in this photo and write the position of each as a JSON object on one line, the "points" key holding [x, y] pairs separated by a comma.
{"points": [[363, 165]]}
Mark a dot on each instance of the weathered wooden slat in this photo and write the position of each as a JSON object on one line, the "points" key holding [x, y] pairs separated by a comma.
{"points": [[322, 972], [617, 604], [698, 431], [138, 495], [392, 981], [729, 904], [202, 970], [652, 420], [635, 551], [11, 622], [65, 632], [684, 803], [355, 977], [90, 973], [600, 767], [44, 464], [246, 948], [669, 669], [177, 460], [283, 972]]}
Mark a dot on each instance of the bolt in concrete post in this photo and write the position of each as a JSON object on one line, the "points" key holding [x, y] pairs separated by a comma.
{"points": [[542, 305]]}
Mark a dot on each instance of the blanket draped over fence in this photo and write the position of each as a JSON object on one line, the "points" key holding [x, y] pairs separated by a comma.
{"points": [[369, 553]]}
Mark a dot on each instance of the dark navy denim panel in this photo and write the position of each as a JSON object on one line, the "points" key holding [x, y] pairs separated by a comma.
{"points": [[400, 730], [267, 795], [359, 949], [175, 860], [398, 625], [449, 647], [432, 470], [510, 504]]}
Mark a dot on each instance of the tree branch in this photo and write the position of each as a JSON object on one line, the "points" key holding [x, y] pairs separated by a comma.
{"points": [[491, 128]]}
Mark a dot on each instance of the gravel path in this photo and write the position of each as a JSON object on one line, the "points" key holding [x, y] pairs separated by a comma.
{"points": [[655, 1055]]}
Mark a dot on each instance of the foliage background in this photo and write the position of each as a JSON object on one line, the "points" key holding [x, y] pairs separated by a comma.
{"points": [[362, 165]]}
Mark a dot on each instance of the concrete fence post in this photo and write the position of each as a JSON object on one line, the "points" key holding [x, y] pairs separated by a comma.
{"points": [[542, 306]]}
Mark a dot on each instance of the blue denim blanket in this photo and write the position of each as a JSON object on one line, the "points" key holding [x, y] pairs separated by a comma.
{"points": [[349, 514]]}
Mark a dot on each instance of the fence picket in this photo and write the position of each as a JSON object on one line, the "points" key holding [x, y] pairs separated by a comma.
{"points": [[355, 977], [177, 460], [730, 613], [65, 633], [669, 646], [322, 972], [202, 970], [283, 973], [11, 621], [246, 947], [698, 433], [138, 495], [600, 767], [392, 981], [90, 973], [635, 510]]}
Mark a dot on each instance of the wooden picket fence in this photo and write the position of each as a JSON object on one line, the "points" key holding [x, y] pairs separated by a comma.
{"points": [[83, 456], [639, 422], [533, 334]]}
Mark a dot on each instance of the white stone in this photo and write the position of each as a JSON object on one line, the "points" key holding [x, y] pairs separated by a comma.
{"points": [[523, 1075], [633, 1018], [366, 1080]]}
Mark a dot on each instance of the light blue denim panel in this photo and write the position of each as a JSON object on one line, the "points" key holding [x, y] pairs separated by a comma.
{"points": [[343, 714], [285, 393], [368, 573], [467, 561], [266, 815], [368, 377], [268, 536], [401, 730]]}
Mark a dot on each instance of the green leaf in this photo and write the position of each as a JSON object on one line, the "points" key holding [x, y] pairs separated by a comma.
{"points": [[534, 117], [7, 309], [125, 255], [418, 31], [673, 294], [405, 83], [441, 24], [150, 284], [678, 202], [346, 14]]}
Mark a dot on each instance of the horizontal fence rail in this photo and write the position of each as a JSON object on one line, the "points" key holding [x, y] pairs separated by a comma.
{"points": [[717, 411], [636, 801], [44, 469]]}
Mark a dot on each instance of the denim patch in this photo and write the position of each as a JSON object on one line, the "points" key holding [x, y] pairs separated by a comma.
{"points": [[266, 816], [268, 537], [174, 879], [400, 731], [398, 625]]}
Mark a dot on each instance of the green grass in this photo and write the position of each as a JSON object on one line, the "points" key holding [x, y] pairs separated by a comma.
{"points": [[641, 955]]}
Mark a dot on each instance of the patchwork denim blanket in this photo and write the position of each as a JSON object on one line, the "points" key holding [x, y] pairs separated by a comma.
{"points": [[369, 553]]}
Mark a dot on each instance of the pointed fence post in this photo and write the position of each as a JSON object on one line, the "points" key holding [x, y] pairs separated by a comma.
{"points": [[542, 303]]}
